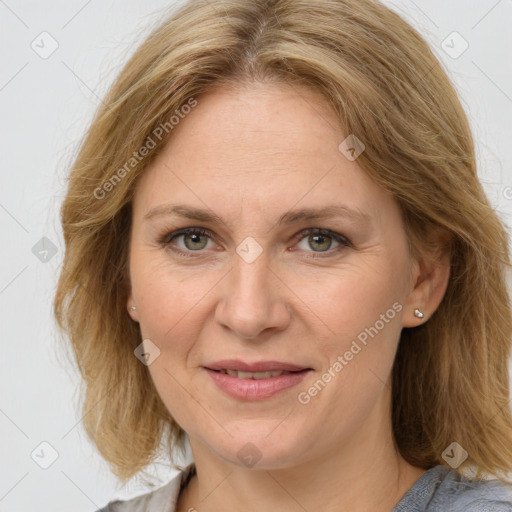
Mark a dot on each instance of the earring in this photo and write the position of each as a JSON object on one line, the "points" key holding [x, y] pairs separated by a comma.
{"points": [[418, 313], [133, 307]]}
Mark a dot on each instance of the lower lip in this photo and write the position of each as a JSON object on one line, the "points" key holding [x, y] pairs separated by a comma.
{"points": [[256, 389]]}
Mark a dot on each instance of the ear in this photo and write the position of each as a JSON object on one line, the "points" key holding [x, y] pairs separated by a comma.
{"points": [[130, 302], [429, 280]]}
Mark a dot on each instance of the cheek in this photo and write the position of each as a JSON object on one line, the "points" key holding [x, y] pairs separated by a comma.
{"points": [[361, 310], [168, 298], [172, 308], [354, 298], [337, 303]]}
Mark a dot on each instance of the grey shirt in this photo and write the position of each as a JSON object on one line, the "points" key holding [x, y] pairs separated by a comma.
{"points": [[440, 489]]}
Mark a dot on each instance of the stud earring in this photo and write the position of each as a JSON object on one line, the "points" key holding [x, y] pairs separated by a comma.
{"points": [[133, 307], [418, 313]]}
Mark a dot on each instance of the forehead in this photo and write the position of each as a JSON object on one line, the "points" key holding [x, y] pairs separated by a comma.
{"points": [[278, 122], [262, 147]]}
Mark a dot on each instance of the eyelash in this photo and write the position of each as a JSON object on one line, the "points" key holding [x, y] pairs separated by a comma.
{"points": [[166, 239]]}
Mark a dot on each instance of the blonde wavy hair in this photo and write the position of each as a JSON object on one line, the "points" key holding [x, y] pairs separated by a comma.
{"points": [[450, 376]]}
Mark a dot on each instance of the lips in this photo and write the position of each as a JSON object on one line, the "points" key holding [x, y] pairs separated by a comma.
{"points": [[252, 375], [255, 388], [255, 381], [256, 367]]}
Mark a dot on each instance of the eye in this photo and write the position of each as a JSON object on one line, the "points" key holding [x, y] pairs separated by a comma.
{"points": [[193, 239], [196, 239], [321, 240]]}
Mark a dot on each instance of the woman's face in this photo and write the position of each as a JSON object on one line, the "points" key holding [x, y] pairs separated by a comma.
{"points": [[260, 286]]}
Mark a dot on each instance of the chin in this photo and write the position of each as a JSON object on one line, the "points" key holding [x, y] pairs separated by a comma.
{"points": [[258, 446]]}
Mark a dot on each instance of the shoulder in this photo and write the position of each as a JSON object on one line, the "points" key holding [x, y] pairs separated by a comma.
{"points": [[480, 496], [441, 489], [468, 495], [163, 499], [157, 501]]}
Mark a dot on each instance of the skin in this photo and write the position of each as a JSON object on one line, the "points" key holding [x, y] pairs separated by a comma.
{"points": [[249, 155]]}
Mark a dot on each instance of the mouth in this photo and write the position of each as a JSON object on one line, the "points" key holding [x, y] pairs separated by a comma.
{"points": [[239, 374], [255, 381], [255, 367]]}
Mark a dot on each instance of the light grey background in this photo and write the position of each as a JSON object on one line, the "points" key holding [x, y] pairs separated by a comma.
{"points": [[46, 105]]}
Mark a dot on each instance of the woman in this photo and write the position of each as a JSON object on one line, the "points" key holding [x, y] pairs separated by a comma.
{"points": [[278, 250]]}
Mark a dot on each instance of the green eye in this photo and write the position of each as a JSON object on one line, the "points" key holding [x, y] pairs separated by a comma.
{"points": [[321, 240], [315, 240], [194, 239]]}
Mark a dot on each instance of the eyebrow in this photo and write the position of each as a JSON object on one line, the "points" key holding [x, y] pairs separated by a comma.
{"points": [[304, 214]]}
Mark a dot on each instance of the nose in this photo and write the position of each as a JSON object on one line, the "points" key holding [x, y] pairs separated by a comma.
{"points": [[254, 300]]}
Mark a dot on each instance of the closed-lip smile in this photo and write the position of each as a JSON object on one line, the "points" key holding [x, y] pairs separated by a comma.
{"points": [[257, 380]]}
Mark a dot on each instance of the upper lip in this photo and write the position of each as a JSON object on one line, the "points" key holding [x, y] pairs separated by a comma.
{"points": [[259, 366]]}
